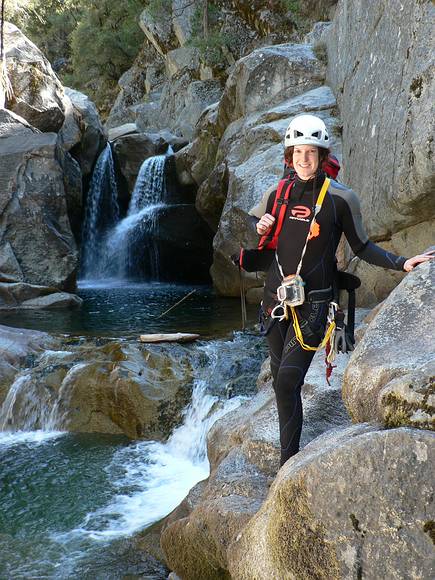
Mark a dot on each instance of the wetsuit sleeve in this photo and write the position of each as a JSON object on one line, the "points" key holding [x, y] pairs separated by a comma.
{"points": [[260, 209], [357, 237], [253, 221]]}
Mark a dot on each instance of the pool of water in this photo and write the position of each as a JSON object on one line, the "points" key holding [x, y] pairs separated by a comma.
{"points": [[111, 309]]}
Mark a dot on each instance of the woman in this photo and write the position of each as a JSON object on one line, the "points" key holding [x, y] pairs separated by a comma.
{"points": [[306, 246]]}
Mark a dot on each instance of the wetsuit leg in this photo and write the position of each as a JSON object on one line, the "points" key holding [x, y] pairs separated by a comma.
{"points": [[289, 365]]}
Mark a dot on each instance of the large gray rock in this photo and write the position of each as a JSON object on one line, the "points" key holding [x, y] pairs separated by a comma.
{"points": [[33, 297], [70, 134], [114, 387], [390, 375], [355, 503], [268, 76], [378, 283], [184, 98], [139, 82], [183, 13], [93, 134], [37, 93], [380, 66], [195, 162], [34, 224], [182, 58], [132, 150], [158, 30]]}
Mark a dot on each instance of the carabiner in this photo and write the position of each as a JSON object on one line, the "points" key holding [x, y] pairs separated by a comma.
{"points": [[280, 312]]}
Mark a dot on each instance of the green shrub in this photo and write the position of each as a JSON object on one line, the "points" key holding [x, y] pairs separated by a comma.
{"points": [[99, 38]]}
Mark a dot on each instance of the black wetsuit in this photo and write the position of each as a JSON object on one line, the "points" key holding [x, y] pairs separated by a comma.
{"points": [[340, 213]]}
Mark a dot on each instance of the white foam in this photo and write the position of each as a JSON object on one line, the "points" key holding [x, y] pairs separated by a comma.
{"points": [[8, 439], [153, 478]]}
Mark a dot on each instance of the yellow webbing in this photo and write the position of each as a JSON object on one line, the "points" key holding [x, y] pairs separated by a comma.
{"points": [[300, 337], [297, 328], [322, 193]]}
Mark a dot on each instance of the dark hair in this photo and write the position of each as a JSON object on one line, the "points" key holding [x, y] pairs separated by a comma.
{"points": [[288, 155]]}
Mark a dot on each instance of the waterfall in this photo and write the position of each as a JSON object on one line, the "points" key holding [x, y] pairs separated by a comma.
{"points": [[160, 474], [132, 245], [25, 407], [101, 213]]}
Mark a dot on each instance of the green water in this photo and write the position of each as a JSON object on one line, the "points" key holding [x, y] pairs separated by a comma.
{"points": [[71, 505], [48, 488]]}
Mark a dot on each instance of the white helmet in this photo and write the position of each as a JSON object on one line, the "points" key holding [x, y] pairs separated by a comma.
{"points": [[307, 130]]}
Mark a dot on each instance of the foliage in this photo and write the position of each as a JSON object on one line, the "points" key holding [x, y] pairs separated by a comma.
{"points": [[48, 23], [104, 45], [291, 6], [99, 39], [209, 44], [156, 8]]}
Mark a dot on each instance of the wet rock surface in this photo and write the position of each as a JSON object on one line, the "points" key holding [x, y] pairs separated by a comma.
{"points": [[115, 388], [17, 347], [243, 450]]}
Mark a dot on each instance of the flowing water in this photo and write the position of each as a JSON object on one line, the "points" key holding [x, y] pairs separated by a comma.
{"points": [[72, 502], [101, 213], [135, 238]]}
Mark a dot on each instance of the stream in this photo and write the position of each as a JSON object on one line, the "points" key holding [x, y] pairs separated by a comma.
{"points": [[72, 504]]}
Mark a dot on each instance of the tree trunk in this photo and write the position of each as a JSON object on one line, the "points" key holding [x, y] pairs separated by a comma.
{"points": [[205, 19]]}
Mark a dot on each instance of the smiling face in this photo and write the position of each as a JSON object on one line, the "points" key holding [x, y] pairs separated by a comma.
{"points": [[305, 161]]}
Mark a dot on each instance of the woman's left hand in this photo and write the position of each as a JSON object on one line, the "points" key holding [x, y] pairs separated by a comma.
{"points": [[413, 262]]}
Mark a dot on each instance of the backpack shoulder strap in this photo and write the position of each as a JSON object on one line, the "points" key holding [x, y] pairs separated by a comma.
{"points": [[279, 209]]}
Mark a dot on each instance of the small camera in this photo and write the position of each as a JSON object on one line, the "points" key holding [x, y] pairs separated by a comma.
{"points": [[292, 292]]}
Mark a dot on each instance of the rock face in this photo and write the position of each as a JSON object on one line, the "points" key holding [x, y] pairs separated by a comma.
{"points": [[242, 137], [132, 150], [390, 377], [174, 77], [184, 99], [37, 92], [36, 234], [268, 76], [380, 66], [33, 297], [115, 388], [316, 524], [49, 141], [93, 136]]}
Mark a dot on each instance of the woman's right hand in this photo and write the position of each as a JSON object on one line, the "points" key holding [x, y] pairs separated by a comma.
{"points": [[265, 223]]}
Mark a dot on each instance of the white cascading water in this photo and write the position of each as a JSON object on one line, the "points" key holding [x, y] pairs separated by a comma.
{"points": [[29, 406], [160, 473], [141, 223], [101, 213]]}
